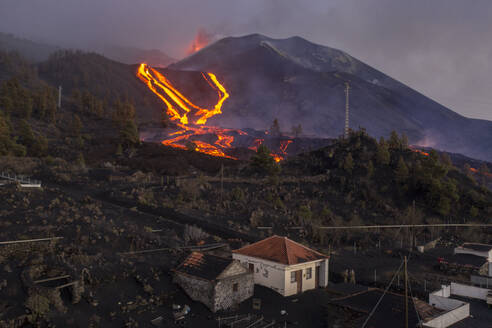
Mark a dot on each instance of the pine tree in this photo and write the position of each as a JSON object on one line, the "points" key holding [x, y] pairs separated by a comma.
{"points": [[383, 155], [262, 162], [394, 141], [348, 163], [401, 172]]}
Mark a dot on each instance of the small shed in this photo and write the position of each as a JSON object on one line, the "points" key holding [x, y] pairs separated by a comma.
{"points": [[217, 282]]}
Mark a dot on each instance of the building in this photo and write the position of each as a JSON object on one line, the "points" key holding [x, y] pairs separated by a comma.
{"points": [[481, 250], [390, 311], [463, 306], [217, 282], [283, 265]]}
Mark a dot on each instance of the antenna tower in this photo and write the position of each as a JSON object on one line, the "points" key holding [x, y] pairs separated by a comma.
{"points": [[346, 130], [59, 96]]}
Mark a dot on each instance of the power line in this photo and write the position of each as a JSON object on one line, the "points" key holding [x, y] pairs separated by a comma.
{"points": [[381, 298], [392, 226]]}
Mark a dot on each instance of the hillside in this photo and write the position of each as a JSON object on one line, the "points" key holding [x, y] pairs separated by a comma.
{"points": [[30, 50], [301, 82], [132, 55]]}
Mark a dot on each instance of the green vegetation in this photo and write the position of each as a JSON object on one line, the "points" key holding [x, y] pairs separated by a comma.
{"points": [[263, 163]]}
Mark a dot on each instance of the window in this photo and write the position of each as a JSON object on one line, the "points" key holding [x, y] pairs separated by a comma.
{"points": [[235, 287], [309, 273], [251, 267], [293, 277]]}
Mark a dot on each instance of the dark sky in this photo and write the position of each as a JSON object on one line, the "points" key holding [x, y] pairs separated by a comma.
{"points": [[442, 48]]}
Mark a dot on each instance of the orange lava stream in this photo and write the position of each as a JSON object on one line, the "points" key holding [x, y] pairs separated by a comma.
{"points": [[163, 88], [191, 119]]}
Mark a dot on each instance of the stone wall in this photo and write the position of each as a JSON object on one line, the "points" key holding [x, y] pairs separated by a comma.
{"points": [[226, 296], [197, 289]]}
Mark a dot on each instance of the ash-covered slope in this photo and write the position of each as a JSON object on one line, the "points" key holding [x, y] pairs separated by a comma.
{"points": [[297, 81]]}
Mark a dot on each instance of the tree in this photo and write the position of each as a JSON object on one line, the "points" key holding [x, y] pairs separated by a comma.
{"points": [[25, 133], [401, 172], [394, 141], [383, 155], [404, 141], [348, 163], [370, 170], [484, 172], [76, 125], [129, 134], [119, 150], [262, 162], [275, 128], [80, 160], [297, 130], [304, 214], [446, 160]]}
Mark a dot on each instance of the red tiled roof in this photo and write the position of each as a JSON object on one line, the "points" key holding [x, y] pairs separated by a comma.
{"points": [[281, 250]]}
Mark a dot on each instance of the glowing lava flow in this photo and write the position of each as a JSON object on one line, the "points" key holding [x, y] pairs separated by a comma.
{"points": [[190, 119], [188, 113]]}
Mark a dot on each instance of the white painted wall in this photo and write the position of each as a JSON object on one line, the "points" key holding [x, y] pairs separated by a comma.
{"points": [[276, 276], [324, 272], [449, 318], [307, 284], [266, 273], [444, 303], [445, 291], [490, 269], [469, 291]]}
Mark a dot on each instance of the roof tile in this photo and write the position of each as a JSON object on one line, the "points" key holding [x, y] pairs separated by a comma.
{"points": [[281, 250]]}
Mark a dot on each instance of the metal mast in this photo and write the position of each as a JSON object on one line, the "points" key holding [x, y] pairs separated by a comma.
{"points": [[346, 130], [59, 96]]}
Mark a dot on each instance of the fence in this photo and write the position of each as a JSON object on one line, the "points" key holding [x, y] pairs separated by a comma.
{"points": [[24, 182]]}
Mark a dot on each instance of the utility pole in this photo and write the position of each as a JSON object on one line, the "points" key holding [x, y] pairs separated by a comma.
{"points": [[406, 292], [346, 130]]}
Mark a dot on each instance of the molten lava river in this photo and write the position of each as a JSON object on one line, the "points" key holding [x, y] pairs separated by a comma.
{"points": [[190, 119]]}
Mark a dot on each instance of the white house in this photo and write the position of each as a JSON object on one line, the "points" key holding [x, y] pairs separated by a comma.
{"points": [[481, 250], [284, 265]]}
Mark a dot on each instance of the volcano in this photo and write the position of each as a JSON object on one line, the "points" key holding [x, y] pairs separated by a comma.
{"points": [[300, 82]]}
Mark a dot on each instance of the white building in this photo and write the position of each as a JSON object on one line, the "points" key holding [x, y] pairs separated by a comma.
{"points": [[481, 250], [284, 265]]}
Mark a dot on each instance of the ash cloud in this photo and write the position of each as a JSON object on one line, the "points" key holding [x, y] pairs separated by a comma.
{"points": [[440, 48]]}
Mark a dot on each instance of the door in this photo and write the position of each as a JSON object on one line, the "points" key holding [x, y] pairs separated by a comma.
{"points": [[299, 281], [316, 277]]}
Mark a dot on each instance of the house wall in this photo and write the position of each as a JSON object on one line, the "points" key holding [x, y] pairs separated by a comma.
{"points": [[197, 289], [469, 291], [324, 272], [481, 280], [276, 276], [226, 297], [307, 284], [266, 273], [444, 303], [461, 250], [445, 291]]}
